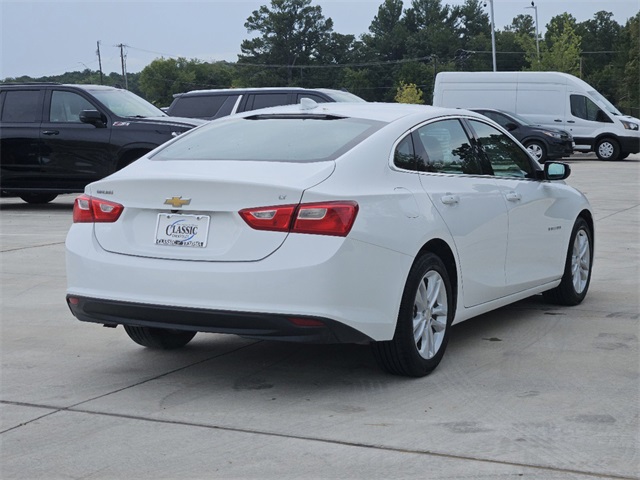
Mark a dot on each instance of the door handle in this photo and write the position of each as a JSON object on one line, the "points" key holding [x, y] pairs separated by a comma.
{"points": [[513, 196], [558, 120], [571, 121], [450, 199], [50, 132]]}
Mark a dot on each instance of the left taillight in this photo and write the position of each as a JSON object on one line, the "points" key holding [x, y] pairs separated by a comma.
{"points": [[327, 218], [88, 209]]}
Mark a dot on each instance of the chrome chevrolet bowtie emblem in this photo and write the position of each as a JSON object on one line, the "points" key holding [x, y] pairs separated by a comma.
{"points": [[177, 201]]}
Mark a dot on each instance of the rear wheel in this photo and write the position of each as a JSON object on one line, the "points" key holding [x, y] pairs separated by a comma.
{"points": [[577, 270], [159, 338], [607, 149], [424, 320], [538, 150], [38, 198]]}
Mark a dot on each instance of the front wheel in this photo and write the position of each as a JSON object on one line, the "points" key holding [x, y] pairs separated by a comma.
{"points": [[607, 149], [424, 320], [159, 338], [538, 150], [577, 270]]}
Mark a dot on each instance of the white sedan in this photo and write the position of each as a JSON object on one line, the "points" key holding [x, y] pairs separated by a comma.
{"points": [[363, 223]]}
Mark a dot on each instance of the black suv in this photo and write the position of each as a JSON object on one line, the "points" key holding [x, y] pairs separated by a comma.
{"points": [[58, 138], [210, 104], [543, 143]]}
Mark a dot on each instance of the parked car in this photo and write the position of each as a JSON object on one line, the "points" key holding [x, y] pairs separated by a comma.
{"points": [[58, 138], [542, 142], [550, 99], [210, 104], [365, 223]]}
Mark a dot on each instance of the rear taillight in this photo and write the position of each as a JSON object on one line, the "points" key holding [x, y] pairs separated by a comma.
{"points": [[87, 209], [328, 218]]}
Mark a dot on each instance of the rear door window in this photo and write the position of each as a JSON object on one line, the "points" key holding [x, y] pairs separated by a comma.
{"points": [[198, 106], [264, 100], [22, 106]]}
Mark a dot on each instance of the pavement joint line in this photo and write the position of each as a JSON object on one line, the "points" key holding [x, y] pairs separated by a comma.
{"points": [[31, 246], [328, 441], [618, 212], [72, 407]]}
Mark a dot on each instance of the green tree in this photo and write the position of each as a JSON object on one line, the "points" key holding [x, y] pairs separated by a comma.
{"points": [[561, 50], [386, 44], [164, 77], [409, 93], [473, 30], [387, 35], [628, 94], [600, 37], [292, 33], [432, 29]]}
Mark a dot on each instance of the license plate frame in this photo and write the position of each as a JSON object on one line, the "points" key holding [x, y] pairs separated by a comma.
{"points": [[181, 230]]}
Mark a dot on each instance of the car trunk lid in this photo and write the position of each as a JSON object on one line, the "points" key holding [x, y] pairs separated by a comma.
{"points": [[188, 210]]}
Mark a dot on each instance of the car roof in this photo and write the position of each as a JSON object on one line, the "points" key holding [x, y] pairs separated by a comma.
{"points": [[384, 112], [221, 91], [57, 84]]}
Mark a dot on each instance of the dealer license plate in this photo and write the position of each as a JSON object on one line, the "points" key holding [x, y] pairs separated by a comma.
{"points": [[182, 230]]}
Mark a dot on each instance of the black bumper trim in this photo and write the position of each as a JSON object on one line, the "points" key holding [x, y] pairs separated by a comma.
{"points": [[246, 324]]}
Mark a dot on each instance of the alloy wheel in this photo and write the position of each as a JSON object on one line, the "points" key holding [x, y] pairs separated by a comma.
{"points": [[580, 261], [430, 315]]}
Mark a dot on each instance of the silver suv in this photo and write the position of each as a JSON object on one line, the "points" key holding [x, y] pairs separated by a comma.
{"points": [[210, 104]]}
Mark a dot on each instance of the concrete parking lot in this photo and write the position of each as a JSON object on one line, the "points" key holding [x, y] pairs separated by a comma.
{"points": [[529, 391]]}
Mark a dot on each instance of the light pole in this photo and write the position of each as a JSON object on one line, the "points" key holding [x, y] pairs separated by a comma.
{"points": [[533, 5], [493, 38]]}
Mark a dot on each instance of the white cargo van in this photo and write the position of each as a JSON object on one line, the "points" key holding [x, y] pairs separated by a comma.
{"points": [[551, 99]]}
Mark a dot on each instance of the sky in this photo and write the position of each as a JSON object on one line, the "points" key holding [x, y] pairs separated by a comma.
{"points": [[51, 37]]}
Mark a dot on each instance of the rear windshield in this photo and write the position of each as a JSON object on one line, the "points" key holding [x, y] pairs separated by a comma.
{"points": [[271, 138]]}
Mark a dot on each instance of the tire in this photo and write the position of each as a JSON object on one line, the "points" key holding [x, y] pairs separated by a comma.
{"points": [[577, 270], [607, 149], [537, 149], [38, 198], [424, 321], [159, 338]]}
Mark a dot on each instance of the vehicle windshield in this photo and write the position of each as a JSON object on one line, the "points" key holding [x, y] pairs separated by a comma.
{"points": [[126, 104], [522, 120], [276, 138], [340, 96], [603, 101]]}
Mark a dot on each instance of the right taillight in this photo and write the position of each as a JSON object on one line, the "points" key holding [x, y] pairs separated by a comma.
{"points": [[325, 218], [88, 209]]}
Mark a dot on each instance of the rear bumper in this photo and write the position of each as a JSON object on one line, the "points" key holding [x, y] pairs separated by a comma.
{"points": [[337, 280], [293, 328]]}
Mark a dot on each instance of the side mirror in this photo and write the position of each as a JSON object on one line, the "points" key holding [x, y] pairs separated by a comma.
{"points": [[556, 170], [93, 117], [511, 126]]}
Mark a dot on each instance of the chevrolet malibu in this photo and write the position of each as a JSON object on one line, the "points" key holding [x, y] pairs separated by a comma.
{"points": [[361, 223]]}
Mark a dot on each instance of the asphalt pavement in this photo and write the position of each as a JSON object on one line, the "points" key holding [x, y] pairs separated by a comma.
{"points": [[531, 391]]}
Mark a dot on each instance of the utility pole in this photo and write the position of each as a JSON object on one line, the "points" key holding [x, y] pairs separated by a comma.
{"points": [[124, 69], [99, 60], [493, 37]]}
